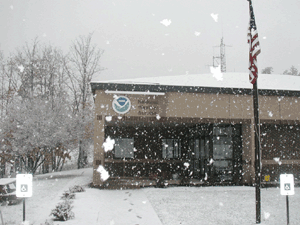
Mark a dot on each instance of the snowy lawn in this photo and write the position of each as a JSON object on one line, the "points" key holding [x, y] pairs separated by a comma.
{"points": [[153, 206], [47, 190], [221, 205]]}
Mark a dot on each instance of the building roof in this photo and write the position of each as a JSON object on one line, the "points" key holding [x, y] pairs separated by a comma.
{"points": [[268, 84]]}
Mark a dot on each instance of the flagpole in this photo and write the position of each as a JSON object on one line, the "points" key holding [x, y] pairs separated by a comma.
{"points": [[257, 154], [253, 76]]}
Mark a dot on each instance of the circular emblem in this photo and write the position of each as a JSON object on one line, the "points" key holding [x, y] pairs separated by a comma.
{"points": [[267, 177], [121, 104]]}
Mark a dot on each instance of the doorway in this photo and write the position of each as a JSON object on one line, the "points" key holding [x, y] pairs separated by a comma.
{"points": [[215, 153]]}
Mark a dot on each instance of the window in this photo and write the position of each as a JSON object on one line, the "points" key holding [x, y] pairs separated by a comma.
{"points": [[171, 148], [124, 148]]}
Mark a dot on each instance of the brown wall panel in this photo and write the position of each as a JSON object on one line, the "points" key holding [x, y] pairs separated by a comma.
{"points": [[187, 109]]}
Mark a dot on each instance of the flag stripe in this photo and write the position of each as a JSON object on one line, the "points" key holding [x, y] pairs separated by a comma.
{"points": [[254, 47]]}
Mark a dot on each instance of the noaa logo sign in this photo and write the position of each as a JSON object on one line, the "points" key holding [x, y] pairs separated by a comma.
{"points": [[121, 104]]}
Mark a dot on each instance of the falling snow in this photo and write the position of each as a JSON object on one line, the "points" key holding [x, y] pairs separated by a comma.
{"points": [[108, 118], [166, 22], [186, 164], [270, 114], [103, 173], [197, 33], [216, 71], [266, 215], [158, 117], [214, 16], [21, 68], [108, 145], [277, 159]]}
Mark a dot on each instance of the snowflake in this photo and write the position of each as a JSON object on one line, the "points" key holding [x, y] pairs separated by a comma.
{"points": [[197, 33], [215, 17], [186, 164], [166, 22], [103, 173], [277, 159], [108, 118], [108, 145], [267, 215], [216, 71], [158, 117], [21, 68], [270, 114]]}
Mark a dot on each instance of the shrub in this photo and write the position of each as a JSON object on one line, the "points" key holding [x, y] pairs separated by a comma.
{"points": [[68, 195], [63, 212], [76, 188]]}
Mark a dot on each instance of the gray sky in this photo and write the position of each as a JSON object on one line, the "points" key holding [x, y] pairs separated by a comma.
{"points": [[137, 44]]}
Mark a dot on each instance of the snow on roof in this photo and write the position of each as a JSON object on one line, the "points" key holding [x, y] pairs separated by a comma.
{"points": [[225, 80]]}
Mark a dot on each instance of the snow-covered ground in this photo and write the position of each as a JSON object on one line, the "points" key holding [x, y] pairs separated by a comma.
{"points": [[153, 206]]}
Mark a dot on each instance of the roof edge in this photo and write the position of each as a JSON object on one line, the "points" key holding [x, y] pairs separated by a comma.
{"points": [[188, 89]]}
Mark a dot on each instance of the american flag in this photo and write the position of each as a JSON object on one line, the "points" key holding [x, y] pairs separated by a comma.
{"points": [[254, 48]]}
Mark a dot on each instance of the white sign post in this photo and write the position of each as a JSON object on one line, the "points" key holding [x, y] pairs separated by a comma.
{"points": [[24, 188], [287, 184], [287, 188], [24, 185]]}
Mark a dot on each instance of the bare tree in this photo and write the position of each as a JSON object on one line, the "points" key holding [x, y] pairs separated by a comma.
{"points": [[292, 71], [2, 84], [83, 62], [267, 70]]}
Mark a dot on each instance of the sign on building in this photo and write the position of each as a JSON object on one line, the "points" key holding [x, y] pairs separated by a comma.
{"points": [[121, 104], [287, 184], [24, 185]]}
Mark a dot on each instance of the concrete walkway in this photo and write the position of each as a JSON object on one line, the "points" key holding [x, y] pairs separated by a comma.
{"points": [[113, 207], [110, 207]]}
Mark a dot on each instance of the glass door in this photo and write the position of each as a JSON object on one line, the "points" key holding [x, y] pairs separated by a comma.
{"points": [[215, 153], [222, 163], [199, 157]]}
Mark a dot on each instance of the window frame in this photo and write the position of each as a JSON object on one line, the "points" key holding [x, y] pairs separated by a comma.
{"points": [[128, 153], [175, 150]]}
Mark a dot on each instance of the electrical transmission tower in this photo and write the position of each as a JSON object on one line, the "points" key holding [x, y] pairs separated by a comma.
{"points": [[221, 59]]}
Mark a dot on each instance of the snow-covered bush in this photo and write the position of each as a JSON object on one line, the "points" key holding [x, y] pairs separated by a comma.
{"points": [[63, 211], [68, 195], [76, 188]]}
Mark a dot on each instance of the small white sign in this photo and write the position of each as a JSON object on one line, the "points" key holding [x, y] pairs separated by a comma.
{"points": [[24, 185], [287, 184]]}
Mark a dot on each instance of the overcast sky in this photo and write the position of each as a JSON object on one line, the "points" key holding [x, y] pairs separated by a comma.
{"points": [[142, 38]]}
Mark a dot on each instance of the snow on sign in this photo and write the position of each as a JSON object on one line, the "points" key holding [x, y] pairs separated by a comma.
{"points": [[287, 184], [24, 185]]}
